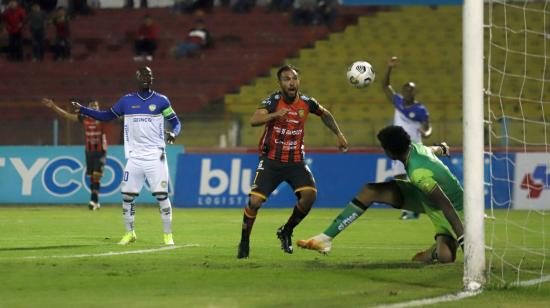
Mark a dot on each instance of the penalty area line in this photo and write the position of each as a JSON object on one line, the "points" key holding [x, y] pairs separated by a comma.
{"points": [[434, 300], [113, 253]]}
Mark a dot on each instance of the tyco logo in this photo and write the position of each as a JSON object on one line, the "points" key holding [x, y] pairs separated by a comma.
{"points": [[536, 182]]}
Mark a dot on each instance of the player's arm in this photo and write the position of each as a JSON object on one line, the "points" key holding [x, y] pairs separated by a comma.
{"points": [[438, 197], [441, 149], [100, 115], [171, 116], [386, 86], [60, 111], [262, 116], [330, 122], [425, 129]]}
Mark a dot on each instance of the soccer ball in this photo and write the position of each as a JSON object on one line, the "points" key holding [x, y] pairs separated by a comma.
{"points": [[360, 74]]}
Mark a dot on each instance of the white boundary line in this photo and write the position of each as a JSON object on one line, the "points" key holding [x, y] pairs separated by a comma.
{"points": [[112, 253], [434, 300], [532, 282], [459, 296]]}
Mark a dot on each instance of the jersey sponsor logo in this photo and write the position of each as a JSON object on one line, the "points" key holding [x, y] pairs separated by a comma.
{"points": [[135, 107], [152, 107], [137, 120], [288, 132], [346, 222]]}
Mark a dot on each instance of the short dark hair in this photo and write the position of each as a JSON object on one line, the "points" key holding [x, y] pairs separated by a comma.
{"points": [[394, 139], [286, 67]]}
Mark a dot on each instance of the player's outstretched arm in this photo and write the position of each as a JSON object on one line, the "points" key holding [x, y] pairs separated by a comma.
{"points": [[100, 115], [262, 116], [438, 197], [330, 122], [60, 111], [386, 86]]}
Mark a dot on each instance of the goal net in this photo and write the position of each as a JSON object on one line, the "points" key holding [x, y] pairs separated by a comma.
{"points": [[517, 114]]}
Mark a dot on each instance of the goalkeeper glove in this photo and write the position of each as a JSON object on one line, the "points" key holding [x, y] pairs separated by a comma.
{"points": [[444, 149]]}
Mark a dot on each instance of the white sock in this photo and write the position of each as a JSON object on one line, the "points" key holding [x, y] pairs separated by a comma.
{"points": [[166, 215], [128, 211]]}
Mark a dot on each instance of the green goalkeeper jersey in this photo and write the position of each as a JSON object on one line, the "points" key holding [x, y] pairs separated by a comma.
{"points": [[426, 171]]}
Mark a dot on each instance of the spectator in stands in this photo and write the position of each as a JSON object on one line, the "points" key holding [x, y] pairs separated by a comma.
{"points": [[197, 39], [62, 43], [146, 41], [192, 6], [243, 6], [14, 18], [280, 5], [327, 10], [37, 26], [304, 12], [142, 4], [79, 7]]}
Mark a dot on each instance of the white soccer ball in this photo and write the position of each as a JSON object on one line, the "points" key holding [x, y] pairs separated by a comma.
{"points": [[360, 74]]}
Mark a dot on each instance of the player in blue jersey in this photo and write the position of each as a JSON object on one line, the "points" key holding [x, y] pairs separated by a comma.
{"points": [[409, 114], [144, 114]]}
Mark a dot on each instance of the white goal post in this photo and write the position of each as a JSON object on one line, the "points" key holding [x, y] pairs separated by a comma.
{"points": [[473, 128]]}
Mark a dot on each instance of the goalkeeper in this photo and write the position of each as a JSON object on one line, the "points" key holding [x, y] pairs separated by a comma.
{"points": [[432, 190]]}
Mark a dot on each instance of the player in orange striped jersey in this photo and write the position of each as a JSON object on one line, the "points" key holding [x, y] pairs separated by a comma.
{"points": [[95, 140], [281, 150]]}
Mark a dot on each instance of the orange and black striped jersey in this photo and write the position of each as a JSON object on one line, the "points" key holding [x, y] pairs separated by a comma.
{"points": [[283, 138], [95, 137]]}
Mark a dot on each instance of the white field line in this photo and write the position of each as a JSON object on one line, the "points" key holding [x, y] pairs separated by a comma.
{"points": [[532, 282], [112, 253], [434, 300], [459, 296]]}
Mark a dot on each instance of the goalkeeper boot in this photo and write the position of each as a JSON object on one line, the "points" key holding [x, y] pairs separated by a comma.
{"points": [[244, 249], [321, 242], [128, 238], [285, 237], [168, 239]]}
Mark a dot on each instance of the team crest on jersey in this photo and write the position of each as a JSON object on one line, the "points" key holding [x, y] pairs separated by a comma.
{"points": [[301, 113], [163, 184], [411, 115], [152, 107]]}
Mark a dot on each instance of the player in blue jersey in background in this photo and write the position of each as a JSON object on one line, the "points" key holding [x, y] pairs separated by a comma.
{"points": [[144, 113], [409, 114]]}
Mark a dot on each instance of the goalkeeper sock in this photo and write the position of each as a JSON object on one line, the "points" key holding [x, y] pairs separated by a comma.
{"points": [[353, 210], [248, 221], [298, 214]]}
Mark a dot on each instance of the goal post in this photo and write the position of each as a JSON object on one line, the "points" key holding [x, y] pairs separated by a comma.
{"points": [[473, 132]]}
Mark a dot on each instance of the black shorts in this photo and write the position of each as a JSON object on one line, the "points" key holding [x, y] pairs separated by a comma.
{"points": [[95, 162], [271, 173]]}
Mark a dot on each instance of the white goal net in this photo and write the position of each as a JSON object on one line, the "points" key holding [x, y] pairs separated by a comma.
{"points": [[517, 114]]}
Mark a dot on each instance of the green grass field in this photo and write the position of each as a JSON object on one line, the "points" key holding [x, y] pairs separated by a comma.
{"points": [[42, 262]]}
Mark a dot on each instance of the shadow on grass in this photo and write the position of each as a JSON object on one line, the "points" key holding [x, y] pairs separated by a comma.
{"points": [[317, 263], [42, 247]]}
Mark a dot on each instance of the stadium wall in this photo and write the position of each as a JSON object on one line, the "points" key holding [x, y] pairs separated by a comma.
{"points": [[56, 175]]}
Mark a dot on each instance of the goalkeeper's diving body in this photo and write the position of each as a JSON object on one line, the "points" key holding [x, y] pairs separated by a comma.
{"points": [[432, 189]]}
